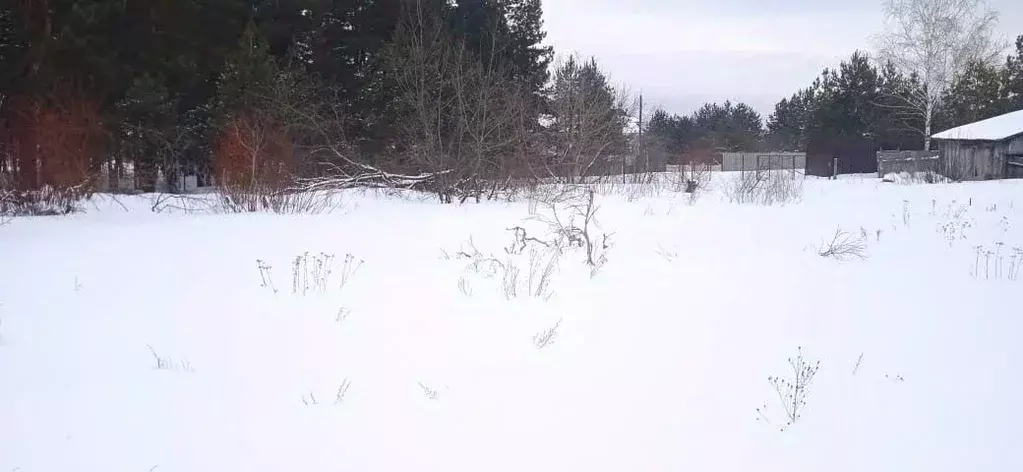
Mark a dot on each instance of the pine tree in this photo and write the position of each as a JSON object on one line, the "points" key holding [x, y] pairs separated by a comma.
{"points": [[729, 127], [857, 101], [978, 93], [530, 58], [246, 74], [345, 49], [665, 130], [509, 33], [788, 126], [589, 117], [1014, 78]]}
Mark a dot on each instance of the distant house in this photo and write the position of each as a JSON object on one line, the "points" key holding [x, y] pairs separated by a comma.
{"points": [[987, 149]]}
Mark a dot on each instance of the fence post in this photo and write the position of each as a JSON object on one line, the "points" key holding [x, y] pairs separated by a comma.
{"points": [[834, 168]]}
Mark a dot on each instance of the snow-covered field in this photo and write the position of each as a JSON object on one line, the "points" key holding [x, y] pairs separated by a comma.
{"points": [[139, 341]]}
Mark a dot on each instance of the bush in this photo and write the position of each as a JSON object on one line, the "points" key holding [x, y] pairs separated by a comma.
{"points": [[793, 391], [844, 246], [46, 201], [765, 187], [265, 197]]}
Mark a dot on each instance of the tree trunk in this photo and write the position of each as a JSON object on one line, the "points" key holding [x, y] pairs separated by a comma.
{"points": [[928, 119], [26, 150]]}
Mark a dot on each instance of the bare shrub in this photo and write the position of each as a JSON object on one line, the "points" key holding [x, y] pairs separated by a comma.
{"points": [[46, 201], [691, 177], [311, 274], [510, 279], [998, 263], [571, 220], [310, 400], [259, 198], [542, 265], [844, 246], [536, 284], [541, 194], [342, 391], [256, 166], [464, 286], [546, 337], [793, 391], [349, 266], [6, 198], [342, 315], [429, 392], [250, 199], [166, 363], [266, 275], [1015, 262], [765, 187], [170, 202]]}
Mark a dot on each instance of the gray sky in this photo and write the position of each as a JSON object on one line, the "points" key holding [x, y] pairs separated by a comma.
{"points": [[683, 53]]}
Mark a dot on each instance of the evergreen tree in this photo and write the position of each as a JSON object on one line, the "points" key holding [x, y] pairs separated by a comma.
{"points": [[980, 92], [530, 58], [1014, 78], [246, 74], [856, 101], [589, 117], [665, 130], [14, 43], [898, 126], [729, 127], [509, 33], [346, 49], [788, 127]]}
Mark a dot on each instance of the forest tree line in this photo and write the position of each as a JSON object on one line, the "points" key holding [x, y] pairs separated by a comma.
{"points": [[858, 98], [457, 98]]}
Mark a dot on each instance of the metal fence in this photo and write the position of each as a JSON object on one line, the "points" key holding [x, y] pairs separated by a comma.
{"points": [[753, 161]]}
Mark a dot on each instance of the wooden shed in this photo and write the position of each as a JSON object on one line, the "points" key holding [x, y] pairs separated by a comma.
{"points": [[987, 149]]}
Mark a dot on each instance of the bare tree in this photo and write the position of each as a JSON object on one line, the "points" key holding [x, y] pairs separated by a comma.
{"points": [[460, 117], [305, 117], [933, 41]]}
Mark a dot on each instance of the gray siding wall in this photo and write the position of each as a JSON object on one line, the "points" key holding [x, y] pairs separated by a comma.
{"points": [[1014, 146], [972, 160]]}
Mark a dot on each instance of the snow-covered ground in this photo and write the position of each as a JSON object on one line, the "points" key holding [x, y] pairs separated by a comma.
{"points": [[138, 341]]}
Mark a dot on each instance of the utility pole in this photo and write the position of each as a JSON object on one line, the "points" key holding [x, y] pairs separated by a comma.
{"points": [[642, 151], [639, 141]]}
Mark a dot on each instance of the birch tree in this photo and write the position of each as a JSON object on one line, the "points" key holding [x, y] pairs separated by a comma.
{"points": [[933, 41]]}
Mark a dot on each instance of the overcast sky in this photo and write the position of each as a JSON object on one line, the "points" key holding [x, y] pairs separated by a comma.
{"points": [[683, 53]]}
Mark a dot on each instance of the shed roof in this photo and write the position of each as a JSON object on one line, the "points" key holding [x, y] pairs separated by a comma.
{"points": [[992, 129]]}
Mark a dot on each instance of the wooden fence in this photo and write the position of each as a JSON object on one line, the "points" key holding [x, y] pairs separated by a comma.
{"points": [[894, 162]]}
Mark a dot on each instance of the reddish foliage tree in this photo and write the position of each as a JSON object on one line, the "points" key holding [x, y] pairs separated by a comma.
{"points": [[54, 141], [254, 151]]}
